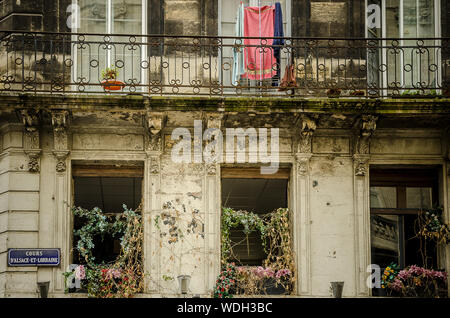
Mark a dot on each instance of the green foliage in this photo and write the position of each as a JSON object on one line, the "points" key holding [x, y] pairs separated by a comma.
{"points": [[431, 226], [275, 233], [110, 73], [123, 277], [225, 283], [232, 219], [389, 275]]}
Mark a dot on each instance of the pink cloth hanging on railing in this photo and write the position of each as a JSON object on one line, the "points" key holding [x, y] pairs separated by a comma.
{"points": [[259, 61]]}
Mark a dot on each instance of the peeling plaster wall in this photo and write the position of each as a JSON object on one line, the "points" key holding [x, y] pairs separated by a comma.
{"points": [[332, 224]]}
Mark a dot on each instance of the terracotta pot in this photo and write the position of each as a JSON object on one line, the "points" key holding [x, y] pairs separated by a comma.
{"points": [[112, 85]]}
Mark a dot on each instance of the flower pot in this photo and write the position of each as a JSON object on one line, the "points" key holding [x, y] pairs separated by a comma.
{"points": [[334, 92], [337, 288], [112, 85], [43, 289], [272, 288]]}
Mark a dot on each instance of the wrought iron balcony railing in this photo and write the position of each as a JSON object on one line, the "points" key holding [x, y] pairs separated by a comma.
{"points": [[71, 63]]}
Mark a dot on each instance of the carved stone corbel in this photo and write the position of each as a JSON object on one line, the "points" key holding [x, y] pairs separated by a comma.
{"points": [[368, 125], [211, 169], [361, 165], [155, 123], [31, 120], [154, 165], [307, 126], [33, 160], [60, 119], [303, 164], [213, 120], [61, 157]]}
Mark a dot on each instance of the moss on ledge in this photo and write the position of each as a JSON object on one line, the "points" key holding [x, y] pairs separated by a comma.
{"points": [[86, 102]]}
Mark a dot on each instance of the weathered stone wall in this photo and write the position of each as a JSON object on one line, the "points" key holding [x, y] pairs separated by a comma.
{"points": [[19, 212], [328, 192], [34, 15]]}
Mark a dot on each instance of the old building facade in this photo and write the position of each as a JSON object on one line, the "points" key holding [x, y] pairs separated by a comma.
{"points": [[352, 167]]}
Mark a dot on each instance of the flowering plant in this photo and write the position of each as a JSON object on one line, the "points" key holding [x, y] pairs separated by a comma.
{"points": [[109, 73], [226, 281], [124, 276], [433, 227], [417, 281], [389, 275], [277, 273]]}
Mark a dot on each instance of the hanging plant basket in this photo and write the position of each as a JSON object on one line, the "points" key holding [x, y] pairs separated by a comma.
{"points": [[112, 85]]}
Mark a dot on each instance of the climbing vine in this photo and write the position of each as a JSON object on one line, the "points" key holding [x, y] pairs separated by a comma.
{"points": [[122, 277], [232, 219], [278, 270]]}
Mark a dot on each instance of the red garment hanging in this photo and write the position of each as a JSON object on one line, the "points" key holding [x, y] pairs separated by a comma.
{"points": [[259, 61]]}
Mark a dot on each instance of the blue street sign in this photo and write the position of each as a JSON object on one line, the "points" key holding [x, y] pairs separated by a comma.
{"points": [[34, 257]]}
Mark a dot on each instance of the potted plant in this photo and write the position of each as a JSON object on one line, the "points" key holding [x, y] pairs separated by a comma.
{"points": [[109, 80], [334, 92], [357, 93]]}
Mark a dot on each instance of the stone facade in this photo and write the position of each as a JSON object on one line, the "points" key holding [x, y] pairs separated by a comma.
{"points": [[329, 146], [328, 153]]}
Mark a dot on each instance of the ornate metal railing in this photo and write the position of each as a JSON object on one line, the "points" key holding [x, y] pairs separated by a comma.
{"points": [[71, 63]]}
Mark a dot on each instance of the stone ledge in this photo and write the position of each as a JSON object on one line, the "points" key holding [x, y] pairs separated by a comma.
{"points": [[140, 103]]}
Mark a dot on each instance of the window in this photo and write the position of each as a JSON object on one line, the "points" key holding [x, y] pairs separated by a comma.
{"points": [[247, 189], [108, 188], [408, 67], [93, 54], [227, 27], [396, 198]]}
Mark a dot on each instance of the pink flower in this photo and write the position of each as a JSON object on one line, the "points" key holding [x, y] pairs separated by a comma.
{"points": [[113, 273], [404, 274], [414, 269], [80, 272], [283, 273], [397, 285]]}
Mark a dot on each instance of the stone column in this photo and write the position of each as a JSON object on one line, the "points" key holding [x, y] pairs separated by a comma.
{"points": [[301, 215], [154, 124], [212, 208], [62, 228], [361, 187]]}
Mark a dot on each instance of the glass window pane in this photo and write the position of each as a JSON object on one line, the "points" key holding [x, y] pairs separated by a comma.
{"points": [[127, 19], [418, 198], [383, 197], [384, 237]]}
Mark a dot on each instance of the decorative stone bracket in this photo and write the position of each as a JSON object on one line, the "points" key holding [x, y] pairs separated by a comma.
{"points": [[60, 119], [212, 120], [367, 127], [368, 124], [303, 164], [307, 125], [31, 121], [155, 123], [361, 165]]}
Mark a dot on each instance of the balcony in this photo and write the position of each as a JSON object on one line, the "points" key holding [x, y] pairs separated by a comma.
{"points": [[160, 65]]}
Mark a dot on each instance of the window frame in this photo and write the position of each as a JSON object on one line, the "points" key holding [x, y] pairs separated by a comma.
{"points": [[383, 76], [228, 172], [401, 181], [86, 169], [108, 31]]}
